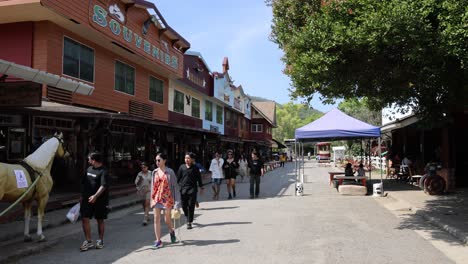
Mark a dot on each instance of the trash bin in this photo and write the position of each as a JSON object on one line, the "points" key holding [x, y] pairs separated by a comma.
{"points": [[377, 189], [299, 189]]}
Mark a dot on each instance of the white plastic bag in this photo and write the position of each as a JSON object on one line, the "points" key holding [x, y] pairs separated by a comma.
{"points": [[74, 213]]}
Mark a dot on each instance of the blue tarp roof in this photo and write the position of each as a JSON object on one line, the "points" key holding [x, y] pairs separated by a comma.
{"points": [[336, 125]]}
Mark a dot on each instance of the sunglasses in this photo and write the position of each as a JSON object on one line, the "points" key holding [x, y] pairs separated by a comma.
{"points": [[158, 160]]}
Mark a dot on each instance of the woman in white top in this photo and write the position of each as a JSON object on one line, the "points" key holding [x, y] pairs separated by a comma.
{"points": [[243, 167], [143, 184], [216, 168]]}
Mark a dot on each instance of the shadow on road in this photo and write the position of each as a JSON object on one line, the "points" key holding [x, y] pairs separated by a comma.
{"points": [[221, 224], [219, 208], [208, 242]]}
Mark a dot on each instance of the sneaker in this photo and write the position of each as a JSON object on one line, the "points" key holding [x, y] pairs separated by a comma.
{"points": [[157, 244], [173, 237], [145, 222], [189, 226], [99, 244], [86, 245]]}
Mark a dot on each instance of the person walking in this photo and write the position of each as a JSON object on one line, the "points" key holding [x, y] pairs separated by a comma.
{"points": [[143, 186], [243, 164], [216, 168], [189, 179], [94, 199], [230, 173], [165, 195], [282, 159], [256, 171]]}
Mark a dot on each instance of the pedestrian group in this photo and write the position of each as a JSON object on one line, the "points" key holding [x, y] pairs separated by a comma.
{"points": [[164, 191]]}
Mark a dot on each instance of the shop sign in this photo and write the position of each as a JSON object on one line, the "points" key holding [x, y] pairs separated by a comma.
{"points": [[106, 19], [20, 94]]}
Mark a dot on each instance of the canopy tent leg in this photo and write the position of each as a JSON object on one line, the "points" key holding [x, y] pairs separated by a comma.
{"points": [[381, 171]]}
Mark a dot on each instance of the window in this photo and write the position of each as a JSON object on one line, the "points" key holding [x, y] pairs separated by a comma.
{"points": [[178, 102], [234, 121], [219, 114], [78, 60], [208, 111], [195, 108], [156, 90], [242, 124], [257, 127], [228, 118], [124, 78]]}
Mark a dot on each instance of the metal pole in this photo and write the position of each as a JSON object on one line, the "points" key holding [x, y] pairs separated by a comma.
{"points": [[369, 158], [295, 166], [381, 171], [303, 163]]}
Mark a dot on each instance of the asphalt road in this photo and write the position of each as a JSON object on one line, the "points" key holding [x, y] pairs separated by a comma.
{"points": [[279, 227]]}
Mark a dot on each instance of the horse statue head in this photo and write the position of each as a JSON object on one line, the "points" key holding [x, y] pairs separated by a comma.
{"points": [[61, 152]]}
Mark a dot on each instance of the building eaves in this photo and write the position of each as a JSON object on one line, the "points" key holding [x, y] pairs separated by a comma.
{"points": [[266, 110], [198, 54]]}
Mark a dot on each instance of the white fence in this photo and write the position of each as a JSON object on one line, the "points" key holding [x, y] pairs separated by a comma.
{"points": [[378, 163]]}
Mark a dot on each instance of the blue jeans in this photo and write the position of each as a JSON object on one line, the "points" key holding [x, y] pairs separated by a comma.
{"points": [[254, 180]]}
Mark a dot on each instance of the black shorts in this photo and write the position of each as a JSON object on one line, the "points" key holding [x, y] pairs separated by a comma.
{"points": [[97, 210], [227, 177]]}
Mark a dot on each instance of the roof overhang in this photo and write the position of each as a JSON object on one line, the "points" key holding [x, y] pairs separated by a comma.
{"points": [[279, 144], [399, 123], [42, 77]]}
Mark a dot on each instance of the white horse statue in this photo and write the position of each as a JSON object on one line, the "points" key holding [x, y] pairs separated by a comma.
{"points": [[16, 178]]}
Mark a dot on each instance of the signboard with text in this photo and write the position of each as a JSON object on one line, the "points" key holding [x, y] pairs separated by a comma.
{"points": [[111, 19]]}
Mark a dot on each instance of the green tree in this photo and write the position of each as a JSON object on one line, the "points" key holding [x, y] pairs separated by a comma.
{"points": [[291, 116], [360, 109], [405, 52]]}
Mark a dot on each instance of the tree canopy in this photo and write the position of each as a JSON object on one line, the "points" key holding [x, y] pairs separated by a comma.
{"points": [[290, 116], [359, 109], [405, 52]]}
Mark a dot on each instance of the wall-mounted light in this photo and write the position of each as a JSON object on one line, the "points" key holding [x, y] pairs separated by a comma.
{"points": [[147, 23]]}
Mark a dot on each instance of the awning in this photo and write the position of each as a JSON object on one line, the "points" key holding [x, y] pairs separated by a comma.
{"points": [[67, 110], [229, 139], [35, 75], [279, 144], [400, 123]]}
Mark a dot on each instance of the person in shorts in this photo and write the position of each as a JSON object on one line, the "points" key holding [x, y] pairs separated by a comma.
{"points": [[94, 199], [230, 167], [143, 186], [216, 168]]}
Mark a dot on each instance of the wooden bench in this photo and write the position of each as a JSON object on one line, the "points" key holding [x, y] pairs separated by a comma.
{"points": [[333, 174], [342, 178]]}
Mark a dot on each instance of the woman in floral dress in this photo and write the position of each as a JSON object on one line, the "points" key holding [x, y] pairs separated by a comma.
{"points": [[165, 195]]}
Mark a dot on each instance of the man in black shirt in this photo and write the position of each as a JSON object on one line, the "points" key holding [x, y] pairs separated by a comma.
{"points": [[256, 171], [94, 199], [188, 176]]}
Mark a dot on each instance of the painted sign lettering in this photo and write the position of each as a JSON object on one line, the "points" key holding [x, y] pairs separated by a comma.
{"points": [[102, 18]]}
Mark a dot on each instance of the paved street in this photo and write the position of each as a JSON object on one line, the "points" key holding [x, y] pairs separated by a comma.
{"points": [[319, 227]]}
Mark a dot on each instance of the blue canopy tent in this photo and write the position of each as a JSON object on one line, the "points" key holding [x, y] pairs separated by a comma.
{"points": [[336, 125]]}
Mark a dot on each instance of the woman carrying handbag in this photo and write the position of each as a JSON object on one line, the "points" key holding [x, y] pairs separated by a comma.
{"points": [[165, 196]]}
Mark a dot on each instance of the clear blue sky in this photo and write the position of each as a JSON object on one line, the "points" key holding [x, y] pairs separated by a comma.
{"points": [[238, 30]]}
